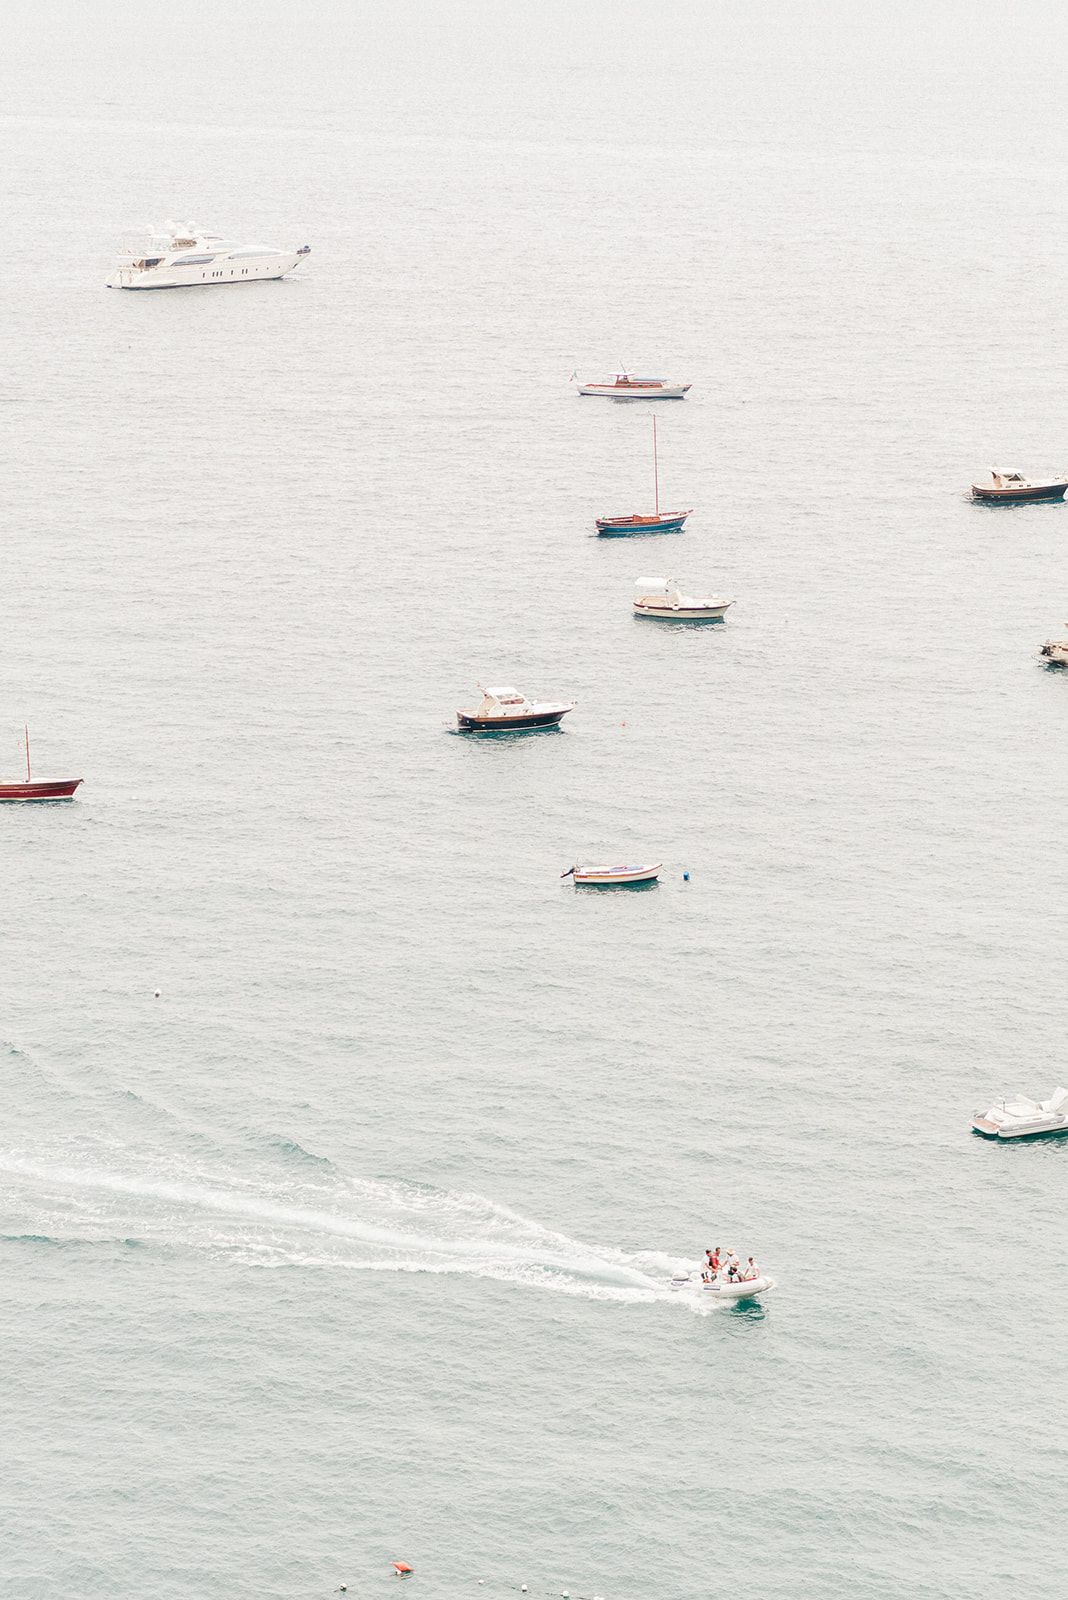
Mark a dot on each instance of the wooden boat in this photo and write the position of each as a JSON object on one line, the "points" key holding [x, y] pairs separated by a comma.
{"points": [[638, 522], [662, 597], [49, 789], [507, 711], [625, 386], [1010, 488], [608, 877]]}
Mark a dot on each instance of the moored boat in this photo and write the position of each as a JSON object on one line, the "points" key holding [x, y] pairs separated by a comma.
{"points": [[1024, 1119], [186, 258], [1056, 651], [37, 788], [507, 711], [625, 386], [1010, 488], [643, 522], [662, 598], [608, 877]]}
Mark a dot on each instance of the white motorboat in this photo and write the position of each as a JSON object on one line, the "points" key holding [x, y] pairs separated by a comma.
{"points": [[722, 1288], [662, 597], [185, 258], [1056, 651], [608, 877], [1012, 488], [625, 386], [1024, 1119], [507, 711]]}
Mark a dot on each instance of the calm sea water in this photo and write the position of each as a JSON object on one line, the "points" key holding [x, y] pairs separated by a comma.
{"points": [[352, 1246]]}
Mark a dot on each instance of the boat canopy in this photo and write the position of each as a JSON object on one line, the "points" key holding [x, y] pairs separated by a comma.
{"points": [[652, 585], [503, 694]]}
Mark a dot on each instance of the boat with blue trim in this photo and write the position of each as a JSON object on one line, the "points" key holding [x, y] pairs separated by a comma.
{"points": [[642, 522]]}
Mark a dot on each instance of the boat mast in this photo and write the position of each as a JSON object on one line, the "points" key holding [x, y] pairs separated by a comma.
{"points": [[26, 731], [656, 475]]}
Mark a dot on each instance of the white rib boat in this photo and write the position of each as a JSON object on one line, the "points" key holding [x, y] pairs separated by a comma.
{"points": [[1024, 1119], [625, 386], [183, 258], [662, 597], [607, 877], [722, 1289]]}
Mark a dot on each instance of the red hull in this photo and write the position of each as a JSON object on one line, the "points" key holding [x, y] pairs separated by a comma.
{"points": [[58, 789]]}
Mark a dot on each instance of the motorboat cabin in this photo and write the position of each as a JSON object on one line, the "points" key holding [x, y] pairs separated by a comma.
{"points": [[626, 386], [662, 598], [185, 258], [507, 711], [1024, 1119], [1011, 488]]}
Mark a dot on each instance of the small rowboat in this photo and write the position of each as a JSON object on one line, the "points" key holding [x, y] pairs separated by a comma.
{"points": [[48, 789], [625, 386], [1011, 488], [662, 597], [609, 877], [639, 522]]}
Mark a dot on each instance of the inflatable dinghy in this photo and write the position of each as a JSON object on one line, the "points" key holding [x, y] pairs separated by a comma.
{"points": [[744, 1289]]}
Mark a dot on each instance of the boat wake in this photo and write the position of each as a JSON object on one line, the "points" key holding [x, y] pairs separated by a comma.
{"points": [[321, 1221]]}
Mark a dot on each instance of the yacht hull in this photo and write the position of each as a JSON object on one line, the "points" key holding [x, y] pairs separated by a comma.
{"points": [[528, 724], [714, 613], [1018, 494], [612, 391], [209, 275], [989, 1130]]}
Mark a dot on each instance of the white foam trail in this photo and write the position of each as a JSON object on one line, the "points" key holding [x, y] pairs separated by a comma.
{"points": [[536, 1257]]}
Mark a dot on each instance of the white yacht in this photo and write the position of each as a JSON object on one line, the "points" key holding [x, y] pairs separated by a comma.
{"points": [[183, 257], [1025, 1119]]}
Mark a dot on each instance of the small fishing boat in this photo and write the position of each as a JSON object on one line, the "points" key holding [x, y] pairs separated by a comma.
{"points": [[507, 711], [642, 522], [1025, 1119], [625, 386], [48, 789], [608, 877], [1010, 488], [662, 597], [1056, 651]]}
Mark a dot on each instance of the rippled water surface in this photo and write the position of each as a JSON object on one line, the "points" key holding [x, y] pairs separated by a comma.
{"points": [[353, 1245]]}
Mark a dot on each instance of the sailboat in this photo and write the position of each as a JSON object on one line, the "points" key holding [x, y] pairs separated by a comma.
{"points": [[659, 522], [51, 789]]}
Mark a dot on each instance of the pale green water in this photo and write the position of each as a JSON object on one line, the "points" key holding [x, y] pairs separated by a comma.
{"points": [[352, 1246]]}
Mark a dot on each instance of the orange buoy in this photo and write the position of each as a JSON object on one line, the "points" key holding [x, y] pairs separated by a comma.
{"points": [[401, 1568]]}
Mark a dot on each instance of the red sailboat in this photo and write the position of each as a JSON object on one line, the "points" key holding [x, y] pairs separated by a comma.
{"points": [[50, 789]]}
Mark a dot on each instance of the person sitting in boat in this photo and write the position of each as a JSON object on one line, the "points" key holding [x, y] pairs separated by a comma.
{"points": [[732, 1264], [751, 1271], [712, 1259]]}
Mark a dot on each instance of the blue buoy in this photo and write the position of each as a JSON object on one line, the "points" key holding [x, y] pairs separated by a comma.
{"points": [[686, 877]]}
